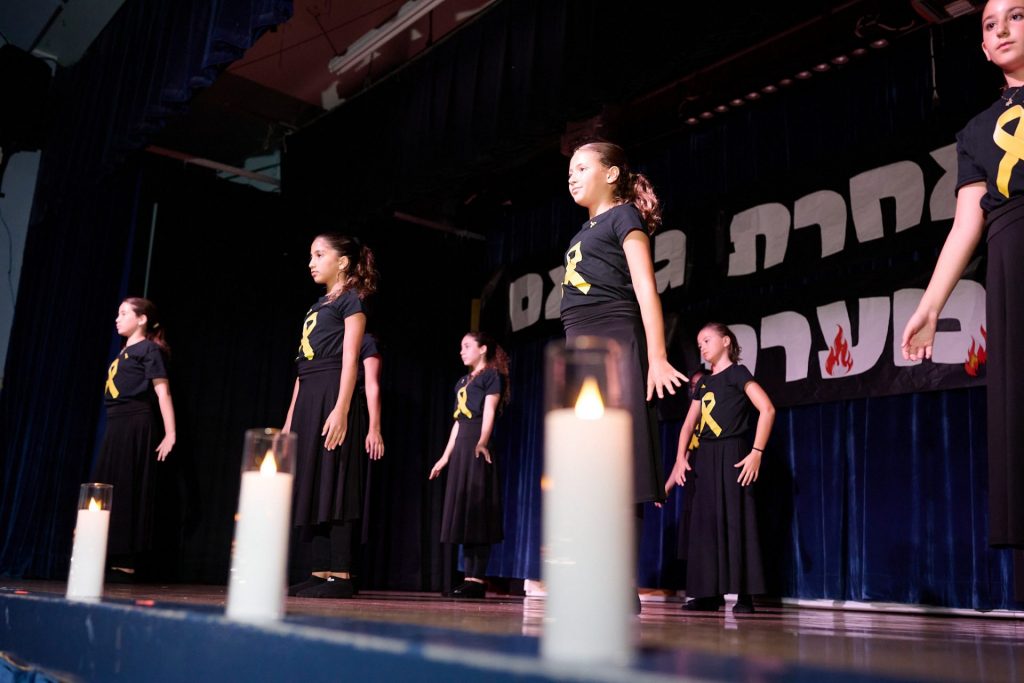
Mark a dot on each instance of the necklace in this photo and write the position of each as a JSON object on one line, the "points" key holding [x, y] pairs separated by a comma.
{"points": [[1009, 99]]}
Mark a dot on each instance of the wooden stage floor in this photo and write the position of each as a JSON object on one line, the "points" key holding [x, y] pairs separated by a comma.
{"points": [[916, 647]]}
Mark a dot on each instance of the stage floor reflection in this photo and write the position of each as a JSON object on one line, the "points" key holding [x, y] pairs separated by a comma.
{"points": [[917, 647]]}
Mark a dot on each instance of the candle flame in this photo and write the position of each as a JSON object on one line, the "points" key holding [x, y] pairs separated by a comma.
{"points": [[269, 465], [94, 504], [589, 405]]}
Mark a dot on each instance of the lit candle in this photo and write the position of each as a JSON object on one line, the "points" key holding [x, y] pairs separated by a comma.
{"points": [[588, 553], [258, 569], [89, 551]]}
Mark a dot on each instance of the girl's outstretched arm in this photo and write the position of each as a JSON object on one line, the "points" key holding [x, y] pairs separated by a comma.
{"points": [[661, 376], [163, 396], [968, 226], [490, 408], [751, 465], [435, 471]]}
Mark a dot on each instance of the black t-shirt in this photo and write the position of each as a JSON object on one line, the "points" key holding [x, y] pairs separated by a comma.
{"points": [[595, 264], [470, 393], [131, 373], [725, 409], [982, 146], [323, 331]]}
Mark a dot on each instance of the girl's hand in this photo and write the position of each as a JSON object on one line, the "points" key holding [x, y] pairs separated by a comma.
{"points": [[680, 470], [750, 464], [435, 471], [375, 445], [662, 377], [334, 429], [919, 336], [481, 449], [163, 449]]}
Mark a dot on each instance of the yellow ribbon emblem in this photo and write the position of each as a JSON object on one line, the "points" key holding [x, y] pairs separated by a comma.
{"points": [[1013, 145], [575, 255], [461, 407], [694, 442], [707, 404], [110, 387], [304, 347]]}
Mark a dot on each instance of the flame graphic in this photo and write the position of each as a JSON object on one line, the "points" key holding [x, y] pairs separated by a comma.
{"points": [[976, 355], [839, 354]]}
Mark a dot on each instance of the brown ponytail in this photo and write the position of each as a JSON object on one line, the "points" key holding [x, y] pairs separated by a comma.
{"points": [[631, 187], [362, 271]]}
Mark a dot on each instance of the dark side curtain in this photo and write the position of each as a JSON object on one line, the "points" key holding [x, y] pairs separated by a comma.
{"points": [[142, 69]]}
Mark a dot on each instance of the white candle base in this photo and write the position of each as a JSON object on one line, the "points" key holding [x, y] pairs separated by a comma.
{"points": [[257, 587], [589, 552], [89, 555]]}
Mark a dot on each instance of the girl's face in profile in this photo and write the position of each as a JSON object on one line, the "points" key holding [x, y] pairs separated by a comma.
{"points": [[325, 263], [127, 320], [471, 352], [590, 182], [713, 346]]}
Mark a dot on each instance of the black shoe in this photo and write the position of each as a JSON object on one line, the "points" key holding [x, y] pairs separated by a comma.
{"points": [[469, 590], [311, 582], [709, 604], [744, 605], [331, 588]]}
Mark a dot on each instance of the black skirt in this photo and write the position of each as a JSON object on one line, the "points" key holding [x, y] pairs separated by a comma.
{"points": [[127, 460], [723, 553], [620, 320], [1005, 388], [328, 484], [472, 500]]}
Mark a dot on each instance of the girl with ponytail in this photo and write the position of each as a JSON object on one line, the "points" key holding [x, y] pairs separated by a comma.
{"points": [[609, 291], [330, 417], [472, 500], [136, 387]]}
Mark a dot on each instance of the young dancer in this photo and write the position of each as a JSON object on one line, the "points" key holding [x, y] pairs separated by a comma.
{"points": [[472, 502], [136, 383], [330, 469], [723, 555]]}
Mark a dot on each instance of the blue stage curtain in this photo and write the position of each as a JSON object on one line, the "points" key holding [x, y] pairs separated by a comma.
{"points": [[143, 68]]}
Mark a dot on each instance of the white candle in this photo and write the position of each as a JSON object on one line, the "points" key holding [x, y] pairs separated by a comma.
{"points": [[588, 554], [89, 553], [258, 570]]}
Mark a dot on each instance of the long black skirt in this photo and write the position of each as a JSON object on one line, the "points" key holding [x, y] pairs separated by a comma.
{"points": [[328, 484], [472, 500], [127, 460], [1005, 327], [621, 321], [724, 553]]}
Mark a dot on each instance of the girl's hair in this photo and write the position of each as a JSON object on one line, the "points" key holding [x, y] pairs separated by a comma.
{"points": [[496, 358], [362, 273], [631, 187], [154, 330], [723, 330]]}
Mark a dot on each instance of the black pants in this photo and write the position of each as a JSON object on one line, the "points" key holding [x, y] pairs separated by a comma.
{"points": [[332, 546], [475, 556]]}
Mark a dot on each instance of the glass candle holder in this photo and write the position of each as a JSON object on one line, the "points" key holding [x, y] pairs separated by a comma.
{"points": [[259, 563], [588, 553], [89, 551]]}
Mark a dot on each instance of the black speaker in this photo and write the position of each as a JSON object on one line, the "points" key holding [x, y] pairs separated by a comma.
{"points": [[24, 84]]}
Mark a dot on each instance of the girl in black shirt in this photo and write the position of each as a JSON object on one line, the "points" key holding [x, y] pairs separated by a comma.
{"points": [[990, 195], [609, 291], [136, 383], [472, 502], [723, 554], [329, 468]]}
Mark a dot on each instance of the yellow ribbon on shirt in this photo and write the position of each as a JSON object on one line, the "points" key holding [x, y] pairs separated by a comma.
{"points": [[307, 327], [1013, 145], [461, 408], [573, 278], [707, 404], [110, 387]]}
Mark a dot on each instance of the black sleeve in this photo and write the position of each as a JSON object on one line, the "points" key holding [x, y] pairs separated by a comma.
{"points": [[153, 362], [741, 376], [348, 304], [626, 221], [967, 169], [491, 383]]}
